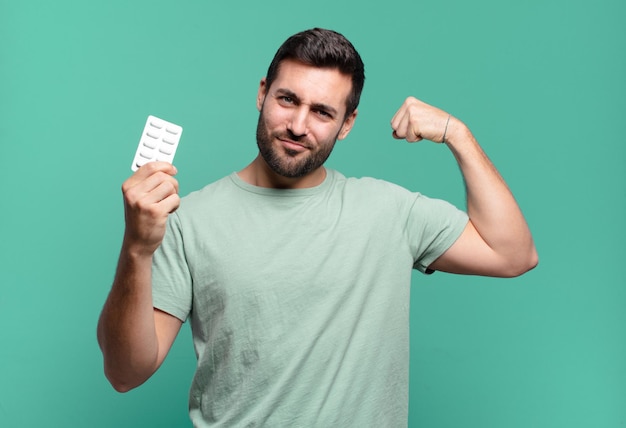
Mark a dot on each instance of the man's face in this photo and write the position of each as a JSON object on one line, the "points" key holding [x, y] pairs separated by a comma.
{"points": [[301, 117]]}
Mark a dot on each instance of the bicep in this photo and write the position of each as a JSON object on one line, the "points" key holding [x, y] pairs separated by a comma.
{"points": [[167, 328], [470, 255]]}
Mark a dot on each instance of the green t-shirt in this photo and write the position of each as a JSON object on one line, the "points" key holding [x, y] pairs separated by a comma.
{"points": [[299, 299]]}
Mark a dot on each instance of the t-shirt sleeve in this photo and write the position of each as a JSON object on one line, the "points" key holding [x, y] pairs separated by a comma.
{"points": [[433, 226], [171, 278]]}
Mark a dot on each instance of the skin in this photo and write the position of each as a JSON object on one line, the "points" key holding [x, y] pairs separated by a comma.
{"points": [[135, 337], [302, 115], [496, 240]]}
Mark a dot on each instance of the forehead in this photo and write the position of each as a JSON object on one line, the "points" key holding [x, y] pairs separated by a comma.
{"points": [[313, 84]]}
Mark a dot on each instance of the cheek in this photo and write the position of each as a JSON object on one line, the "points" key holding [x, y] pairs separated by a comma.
{"points": [[327, 134], [274, 117]]}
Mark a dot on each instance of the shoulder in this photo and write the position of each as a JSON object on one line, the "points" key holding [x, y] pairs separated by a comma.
{"points": [[383, 195], [372, 188]]}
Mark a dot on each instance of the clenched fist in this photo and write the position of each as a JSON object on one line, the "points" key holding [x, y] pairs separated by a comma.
{"points": [[416, 120], [150, 195]]}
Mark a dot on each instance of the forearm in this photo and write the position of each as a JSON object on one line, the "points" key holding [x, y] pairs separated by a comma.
{"points": [[491, 207], [126, 329]]}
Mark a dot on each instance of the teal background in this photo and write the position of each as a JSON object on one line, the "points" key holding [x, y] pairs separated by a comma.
{"points": [[542, 84]]}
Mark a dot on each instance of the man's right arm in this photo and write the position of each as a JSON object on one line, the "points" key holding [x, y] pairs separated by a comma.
{"points": [[133, 335]]}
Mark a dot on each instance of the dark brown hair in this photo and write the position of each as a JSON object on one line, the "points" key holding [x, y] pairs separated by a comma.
{"points": [[325, 49]]}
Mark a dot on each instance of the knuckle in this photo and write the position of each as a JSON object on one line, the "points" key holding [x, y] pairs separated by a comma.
{"points": [[167, 182], [176, 202], [141, 205], [126, 186], [174, 184], [151, 167], [130, 196], [169, 187]]}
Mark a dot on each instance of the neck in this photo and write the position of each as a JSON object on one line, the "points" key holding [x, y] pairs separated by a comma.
{"points": [[258, 173]]}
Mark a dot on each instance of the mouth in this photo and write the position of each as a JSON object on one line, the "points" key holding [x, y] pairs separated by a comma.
{"points": [[293, 146]]}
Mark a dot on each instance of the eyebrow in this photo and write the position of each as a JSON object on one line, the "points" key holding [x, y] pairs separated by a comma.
{"points": [[317, 106]]}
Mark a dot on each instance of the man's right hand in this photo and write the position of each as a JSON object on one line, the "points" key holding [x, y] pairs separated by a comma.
{"points": [[150, 195]]}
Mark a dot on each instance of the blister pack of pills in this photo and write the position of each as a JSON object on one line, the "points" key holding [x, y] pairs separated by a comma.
{"points": [[158, 142]]}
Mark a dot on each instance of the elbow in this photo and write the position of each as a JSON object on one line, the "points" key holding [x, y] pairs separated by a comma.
{"points": [[532, 260], [121, 385], [119, 379], [123, 382], [122, 371], [522, 264]]}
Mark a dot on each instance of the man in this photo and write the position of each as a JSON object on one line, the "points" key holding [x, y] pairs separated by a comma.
{"points": [[295, 279]]}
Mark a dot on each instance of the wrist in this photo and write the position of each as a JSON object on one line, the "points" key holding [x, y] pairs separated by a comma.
{"points": [[137, 251], [456, 132]]}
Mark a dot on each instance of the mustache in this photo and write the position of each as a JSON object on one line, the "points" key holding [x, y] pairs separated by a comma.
{"points": [[289, 135]]}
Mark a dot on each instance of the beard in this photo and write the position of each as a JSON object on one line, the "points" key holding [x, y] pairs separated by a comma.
{"points": [[289, 163]]}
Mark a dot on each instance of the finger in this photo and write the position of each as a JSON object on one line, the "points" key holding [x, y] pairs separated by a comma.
{"points": [[151, 190], [147, 170], [396, 118], [166, 167], [411, 125], [158, 178], [398, 124], [171, 203], [154, 181], [164, 190], [396, 121], [155, 189], [403, 109], [148, 177], [405, 128], [414, 134], [408, 131]]}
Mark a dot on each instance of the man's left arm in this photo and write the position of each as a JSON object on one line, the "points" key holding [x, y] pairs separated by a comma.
{"points": [[496, 240]]}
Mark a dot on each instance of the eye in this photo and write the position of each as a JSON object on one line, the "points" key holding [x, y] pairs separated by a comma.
{"points": [[324, 114], [285, 99]]}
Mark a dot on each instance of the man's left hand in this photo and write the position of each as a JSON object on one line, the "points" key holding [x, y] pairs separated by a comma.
{"points": [[416, 121]]}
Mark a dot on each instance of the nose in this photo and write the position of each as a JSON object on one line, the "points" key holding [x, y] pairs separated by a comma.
{"points": [[298, 123]]}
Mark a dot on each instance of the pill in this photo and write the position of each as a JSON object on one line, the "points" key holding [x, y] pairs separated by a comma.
{"points": [[150, 143], [165, 150], [159, 141]]}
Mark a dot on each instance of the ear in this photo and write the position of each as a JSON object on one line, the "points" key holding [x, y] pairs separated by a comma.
{"points": [[347, 125], [260, 97]]}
